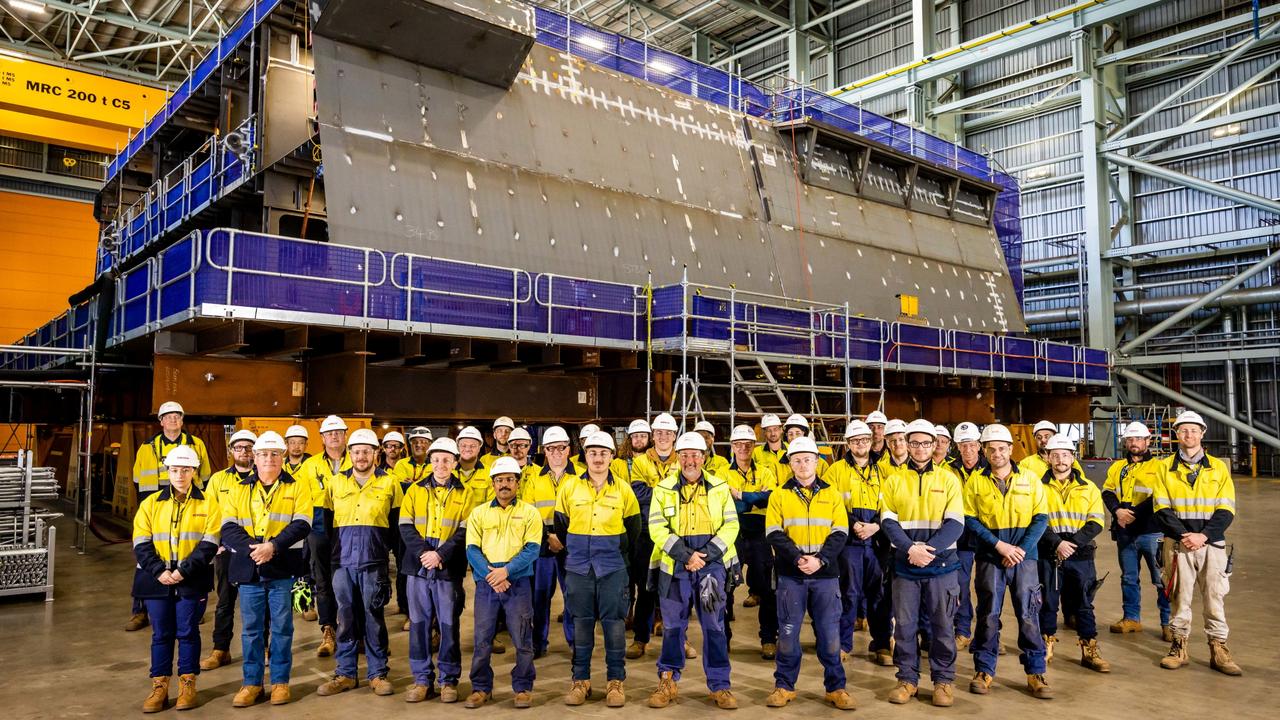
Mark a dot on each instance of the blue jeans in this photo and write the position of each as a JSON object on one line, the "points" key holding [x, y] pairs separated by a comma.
{"points": [[259, 601], [862, 591], [941, 596], [1023, 581], [434, 601], [964, 613], [356, 590], [1133, 552], [590, 598], [675, 605], [547, 572], [516, 605], [175, 618], [820, 598]]}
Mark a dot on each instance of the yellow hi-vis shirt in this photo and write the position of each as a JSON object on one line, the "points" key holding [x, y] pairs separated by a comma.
{"points": [[806, 521], [171, 535], [917, 506], [362, 517], [1073, 502], [478, 480], [539, 487], [409, 471], [318, 470], [652, 469], [149, 471], [596, 526], [756, 479], [265, 512], [1017, 516], [501, 534], [685, 518], [1198, 497]]}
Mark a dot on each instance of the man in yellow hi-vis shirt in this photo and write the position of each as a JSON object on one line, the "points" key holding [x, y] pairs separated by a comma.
{"points": [[320, 470]]}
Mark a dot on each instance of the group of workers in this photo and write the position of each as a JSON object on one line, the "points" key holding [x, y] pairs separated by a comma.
{"points": [[896, 538]]}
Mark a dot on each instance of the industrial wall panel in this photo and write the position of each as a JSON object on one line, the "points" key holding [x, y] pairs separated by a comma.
{"points": [[46, 254]]}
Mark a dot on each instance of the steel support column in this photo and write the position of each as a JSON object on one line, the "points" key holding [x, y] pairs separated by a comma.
{"points": [[1205, 410], [798, 43]]}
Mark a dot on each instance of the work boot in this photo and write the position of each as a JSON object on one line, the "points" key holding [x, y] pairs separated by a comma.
{"points": [[216, 659], [689, 652], [407, 624], [417, 693], [615, 695], [860, 625], [578, 693], [768, 651], [280, 694], [1091, 657], [310, 614], [981, 684], [902, 693], [1049, 642], [247, 696], [724, 700], [328, 641], [1220, 658], [159, 696], [1166, 633], [883, 657], [339, 684], [666, 692], [1039, 686], [751, 601], [636, 650], [1126, 626], [186, 692], [524, 699], [841, 699], [1177, 656], [381, 686], [448, 693], [477, 699], [137, 621], [498, 647], [944, 695], [962, 642], [780, 697]]}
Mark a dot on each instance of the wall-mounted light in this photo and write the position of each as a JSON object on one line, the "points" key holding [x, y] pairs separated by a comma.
{"points": [[1224, 130], [1040, 173]]}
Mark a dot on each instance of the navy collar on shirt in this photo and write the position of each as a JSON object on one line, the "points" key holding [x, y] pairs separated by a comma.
{"points": [[817, 485], [252, 477], [1177, 460], [1048, 477], [166, 493]]}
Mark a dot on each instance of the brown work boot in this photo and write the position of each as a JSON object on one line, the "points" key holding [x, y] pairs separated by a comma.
{"points": [[841, 699], [751, 601], [1220, 658], [417, 693], [339, 684], [902, 693], [578, 693], [328, 641], [689, 652], [247, 696], [407, 625], [883, 657], [280, 694], [768, 651], [524, 699], [724, 700], [381, 686], [1126, 626], [962, 642], [1049, 642], [1091, 656], [310, 615], [159, 696], [137, 621], [216, 659], [1166, 633], [666, 692], [476, 699], [499, 647], [780, 697], [944, 695], [981, 683], [448, 693], [1177, 656], [636, 650], [1039, 687], [186, 692], [615, 695]]}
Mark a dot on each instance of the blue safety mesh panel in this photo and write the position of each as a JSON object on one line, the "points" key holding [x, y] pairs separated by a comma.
{"points": [[973, 351], [1019, 355]]}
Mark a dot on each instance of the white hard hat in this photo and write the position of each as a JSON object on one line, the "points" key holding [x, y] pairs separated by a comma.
{"points": [[894, 426], [967, 432], [520, 434], [875, 416], [857, 428], [363, 436], [743, 432], [802, 445], [505, 422], [1136, 430], [1060, 442], [297, 431], [665, 422], [922, 426], [770, 420], [393, 436], [182, 456], [996, 432], [796, 420], [639, 426], [555, 434], [505, 465], [242, 435], [1190, 417], [1045, 425], [269, 440], [443, 444], [691, 441], [470, 432], [169, 407], [586, 431], [704, 426], [421, 432], [942, 431], [333, 422], [599, 440]]}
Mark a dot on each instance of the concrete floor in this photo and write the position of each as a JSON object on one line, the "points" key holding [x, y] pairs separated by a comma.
{"points": [[71, 658]]}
